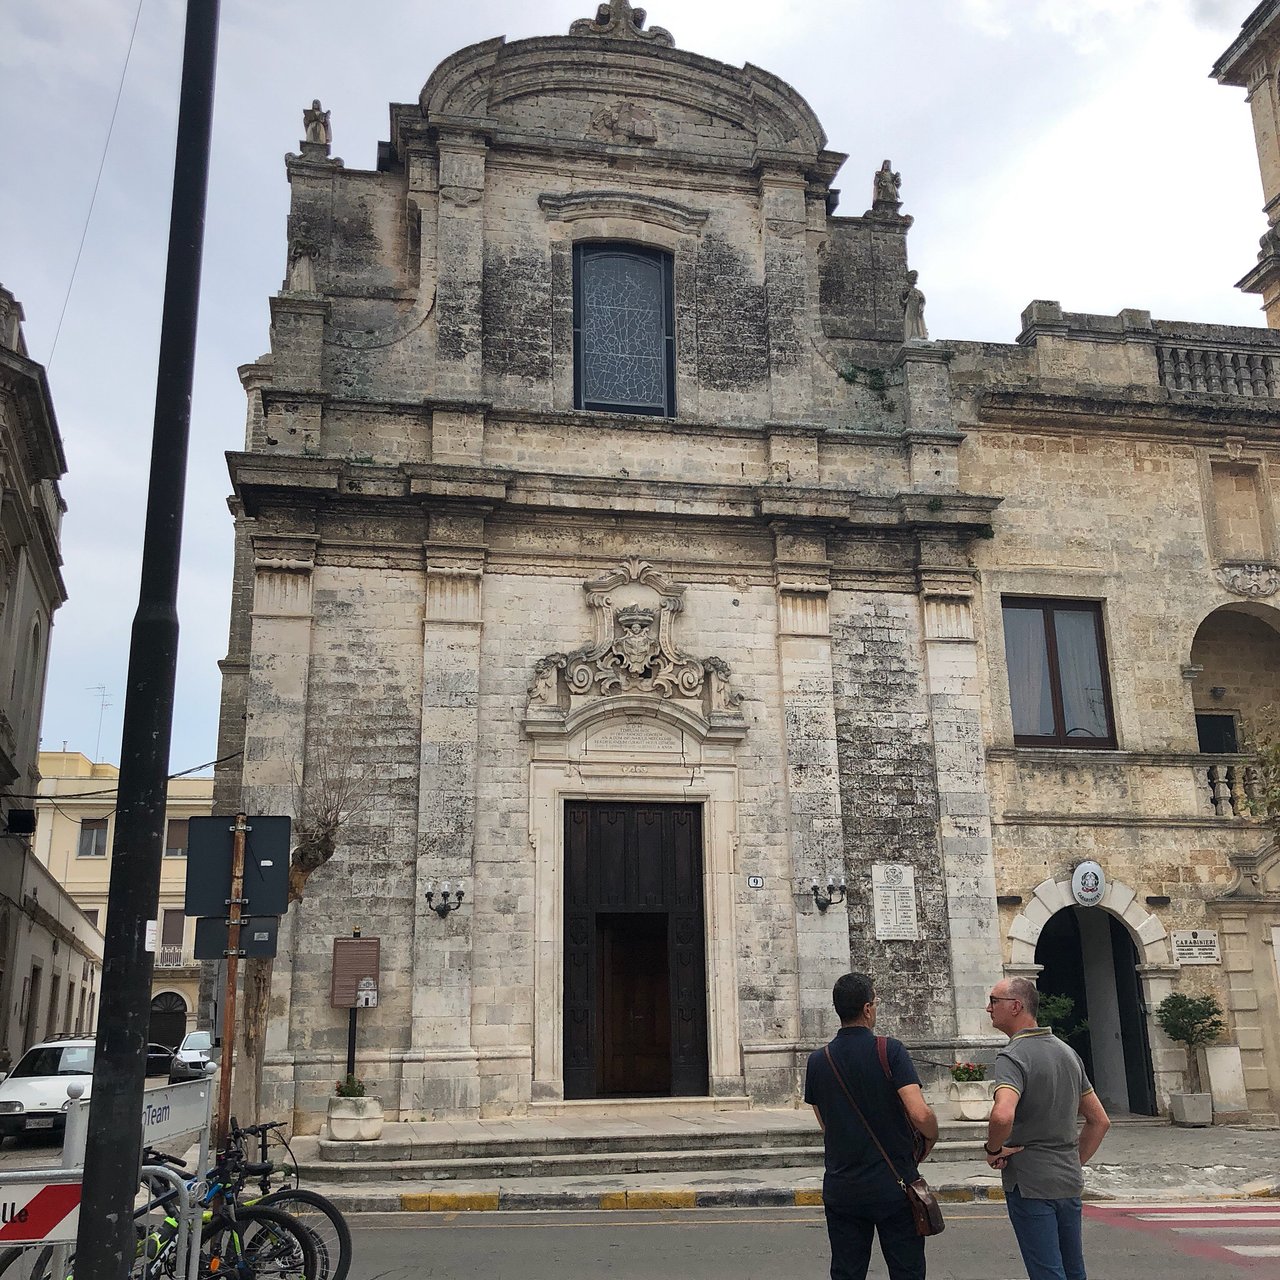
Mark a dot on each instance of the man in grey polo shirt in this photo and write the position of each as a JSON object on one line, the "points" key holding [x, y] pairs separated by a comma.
{"points": [[1040, 1089]]}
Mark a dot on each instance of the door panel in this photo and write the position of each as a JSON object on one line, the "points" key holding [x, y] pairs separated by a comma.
{"points": [[635, 970], [636, 1026]]}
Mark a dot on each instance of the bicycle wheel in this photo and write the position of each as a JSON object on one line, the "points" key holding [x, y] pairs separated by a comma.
{"points": [[29, 1262], [270, 1243], [324, 1220]]}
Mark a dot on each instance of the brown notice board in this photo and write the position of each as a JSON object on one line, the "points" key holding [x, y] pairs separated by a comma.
{"points": [[353, 959]]}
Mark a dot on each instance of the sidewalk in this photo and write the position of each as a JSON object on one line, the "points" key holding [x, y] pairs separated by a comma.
{"points": [[1140, 1159]]}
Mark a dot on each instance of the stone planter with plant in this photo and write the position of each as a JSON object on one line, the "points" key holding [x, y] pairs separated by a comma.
{"points": [[353, 1116], [971, 1091], [1192, 1021]]}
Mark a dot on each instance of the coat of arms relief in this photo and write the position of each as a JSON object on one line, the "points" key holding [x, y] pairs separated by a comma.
{"points": [[634, 609]]}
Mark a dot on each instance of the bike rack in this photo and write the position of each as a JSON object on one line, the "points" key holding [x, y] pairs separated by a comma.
{"points": [[186, 1214]]}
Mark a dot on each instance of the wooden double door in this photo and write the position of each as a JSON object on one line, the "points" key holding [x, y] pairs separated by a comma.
{"points": [[635, 999]]}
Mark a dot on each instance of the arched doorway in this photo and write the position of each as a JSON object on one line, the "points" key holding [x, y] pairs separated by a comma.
{"points": [[1087, 955], [1236, 660], [168, 1019]]}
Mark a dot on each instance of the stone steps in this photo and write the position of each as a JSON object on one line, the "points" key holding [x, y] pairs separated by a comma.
{"points": [[609, 1154]]}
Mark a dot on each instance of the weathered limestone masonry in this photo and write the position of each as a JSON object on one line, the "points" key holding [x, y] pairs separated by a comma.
{"points": [[1136, 460], [593, 499]]}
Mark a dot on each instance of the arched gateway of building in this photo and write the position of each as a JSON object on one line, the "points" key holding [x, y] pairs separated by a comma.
{"points": [[1111, 960]]}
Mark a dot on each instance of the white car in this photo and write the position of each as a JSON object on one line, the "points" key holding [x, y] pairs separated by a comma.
{"points": [[33, 1096]]}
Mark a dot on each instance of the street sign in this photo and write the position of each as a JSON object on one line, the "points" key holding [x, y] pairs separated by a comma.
{"points": [[168, 1111], [266, 866], [258, 936], [173, 1110], [40, 1207], [355, 960]]}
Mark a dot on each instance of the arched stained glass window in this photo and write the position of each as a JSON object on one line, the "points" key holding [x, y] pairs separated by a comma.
{"points": [[623, 330]]}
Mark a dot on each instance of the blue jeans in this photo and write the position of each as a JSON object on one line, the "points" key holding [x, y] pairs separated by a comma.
{"points": [[1050, 1236], [851, 1229]]}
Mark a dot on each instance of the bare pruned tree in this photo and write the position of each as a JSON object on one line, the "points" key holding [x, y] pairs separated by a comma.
{"points": [[332, 791]]}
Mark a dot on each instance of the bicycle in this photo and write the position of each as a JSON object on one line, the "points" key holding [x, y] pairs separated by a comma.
{"points": [[332, 1236], [247, 1241]]}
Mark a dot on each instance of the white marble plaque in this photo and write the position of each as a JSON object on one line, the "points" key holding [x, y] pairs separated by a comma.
{"points": [[631, 736], [1195, 946], [893, 892]]}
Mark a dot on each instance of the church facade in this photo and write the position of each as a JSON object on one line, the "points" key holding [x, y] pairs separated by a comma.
{"points": [[607, 507]]}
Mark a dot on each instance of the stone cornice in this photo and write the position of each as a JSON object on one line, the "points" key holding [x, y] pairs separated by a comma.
{"points": [[37, 425], [1234, 67], [622, 204], [259, 478], [1198, 418]]}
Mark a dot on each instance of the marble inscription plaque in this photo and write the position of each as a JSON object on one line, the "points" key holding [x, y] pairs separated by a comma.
{"points": [[631, 736], [1195, 946], [893, 891]]}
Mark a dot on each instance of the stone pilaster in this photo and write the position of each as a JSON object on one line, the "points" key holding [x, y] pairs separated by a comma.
{"points": [[275, 748], [460, 266], [786, 270], [968, 861], [294, 411], [814, 825], [440, 1073]]}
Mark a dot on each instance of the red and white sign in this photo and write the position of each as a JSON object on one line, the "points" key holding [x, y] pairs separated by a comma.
{"points": [[39, 1212]]}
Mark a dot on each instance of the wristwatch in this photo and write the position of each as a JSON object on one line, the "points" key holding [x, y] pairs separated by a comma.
{"points": [[996, 1152]]}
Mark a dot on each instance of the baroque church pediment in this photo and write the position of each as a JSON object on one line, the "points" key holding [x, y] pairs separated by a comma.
{"points": [[633, 655], [568, 79]]}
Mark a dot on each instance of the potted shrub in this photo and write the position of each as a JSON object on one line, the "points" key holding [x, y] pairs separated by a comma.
{"points": [[971, 1091], [1192, 1021], [353, 1116]]}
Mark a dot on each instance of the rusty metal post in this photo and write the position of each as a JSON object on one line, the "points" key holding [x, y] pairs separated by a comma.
{"points": [[235, 903]]}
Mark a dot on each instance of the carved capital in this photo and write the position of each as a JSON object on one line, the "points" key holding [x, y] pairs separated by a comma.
{"points": [[453, 593]]}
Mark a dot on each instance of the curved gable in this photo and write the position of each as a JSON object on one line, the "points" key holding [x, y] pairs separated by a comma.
{"points": [[594, 87]]}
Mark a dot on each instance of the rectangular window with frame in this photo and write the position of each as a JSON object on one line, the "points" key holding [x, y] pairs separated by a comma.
{"points": [[175, 838], [623, 329], [93, 838], [1057, 661]]}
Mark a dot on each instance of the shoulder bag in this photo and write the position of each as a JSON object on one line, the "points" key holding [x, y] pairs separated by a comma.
{"points": [[920, 1199]]}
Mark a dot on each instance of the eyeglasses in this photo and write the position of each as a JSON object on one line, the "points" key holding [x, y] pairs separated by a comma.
{"points": [[996, 1000]]}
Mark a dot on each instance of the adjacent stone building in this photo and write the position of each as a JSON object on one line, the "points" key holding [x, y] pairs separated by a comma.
{"points": [[50, 955], [74, 840], [715, 629]]}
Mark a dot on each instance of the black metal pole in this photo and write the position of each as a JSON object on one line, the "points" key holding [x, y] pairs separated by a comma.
{"points": [[351, 1041], [105, 1245]]}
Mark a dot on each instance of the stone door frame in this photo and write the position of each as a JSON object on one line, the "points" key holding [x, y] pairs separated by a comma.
{"points": [[1157, 972], [659, 751]]}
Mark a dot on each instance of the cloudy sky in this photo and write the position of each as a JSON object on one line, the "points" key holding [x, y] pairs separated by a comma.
{"points": [[1075, 151]]}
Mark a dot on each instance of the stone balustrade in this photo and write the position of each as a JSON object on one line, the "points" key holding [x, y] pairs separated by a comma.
{"points": [[1230, 788], [1213, 371]]}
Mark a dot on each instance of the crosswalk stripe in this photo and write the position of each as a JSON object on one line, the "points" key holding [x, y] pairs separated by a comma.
{"points": [[1255, 1250], [1258, 1219], [1181, 1206]]}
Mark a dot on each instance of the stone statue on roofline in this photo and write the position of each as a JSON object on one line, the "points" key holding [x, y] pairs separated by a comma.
{"points": [[315, 124], [886, 186], [912, 299]]}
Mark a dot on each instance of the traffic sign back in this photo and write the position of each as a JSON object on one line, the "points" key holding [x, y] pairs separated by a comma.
{"points": [[266, 866]]}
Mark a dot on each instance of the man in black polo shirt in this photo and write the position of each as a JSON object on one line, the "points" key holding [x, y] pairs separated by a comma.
{"points": [[859, 1192]]}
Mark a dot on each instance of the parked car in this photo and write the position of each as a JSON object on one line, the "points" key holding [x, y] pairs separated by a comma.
{"points": [[192, 1058], [33, 1096]]}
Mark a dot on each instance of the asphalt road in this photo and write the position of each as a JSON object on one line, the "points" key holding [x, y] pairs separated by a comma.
{"points": [[748, 1244]]}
